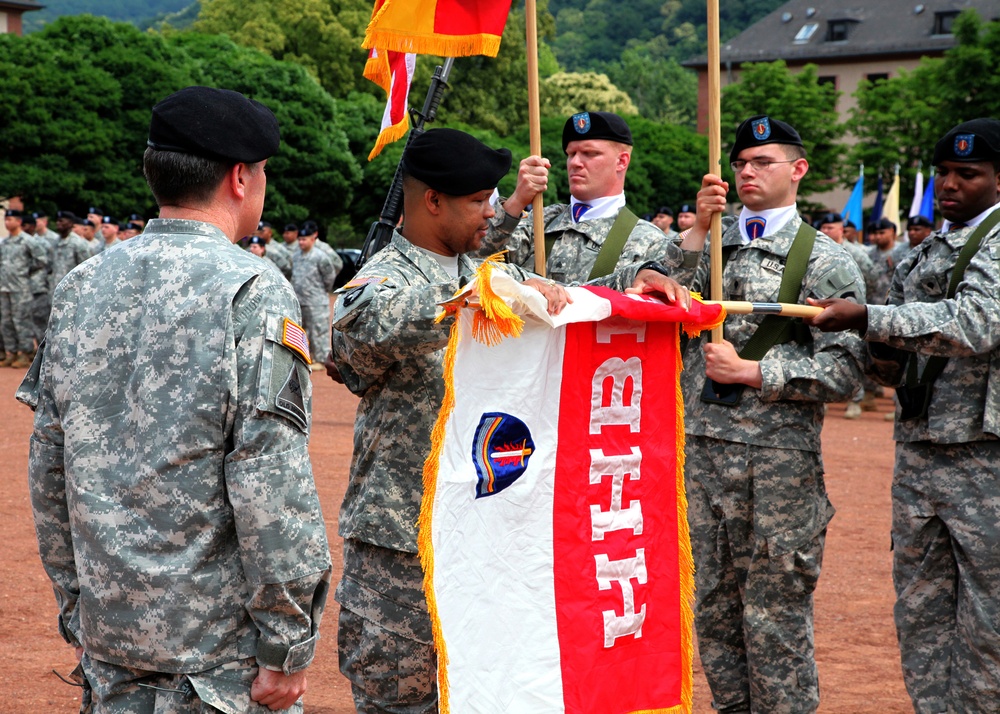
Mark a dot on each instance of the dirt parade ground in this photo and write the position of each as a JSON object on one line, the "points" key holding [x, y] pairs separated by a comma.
{"points": [[855, 640]]}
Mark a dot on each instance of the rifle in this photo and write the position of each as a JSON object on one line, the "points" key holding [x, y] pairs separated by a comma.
{"points": [[381, 230]]}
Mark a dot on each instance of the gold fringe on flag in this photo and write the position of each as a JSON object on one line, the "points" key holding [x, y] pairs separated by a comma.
{"points": [[431, 43], [389, 135]]}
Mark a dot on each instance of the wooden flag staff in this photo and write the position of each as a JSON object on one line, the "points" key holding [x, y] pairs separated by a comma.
{"points": [[714, 154], [535, 128]]}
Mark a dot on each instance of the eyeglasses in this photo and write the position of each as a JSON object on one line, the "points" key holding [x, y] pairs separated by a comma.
{"points": [[757, 164]]}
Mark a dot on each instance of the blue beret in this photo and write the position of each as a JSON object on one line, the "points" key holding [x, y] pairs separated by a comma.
{"points": [[216, 124], [760, 130], [596, 125], [455, 163]]}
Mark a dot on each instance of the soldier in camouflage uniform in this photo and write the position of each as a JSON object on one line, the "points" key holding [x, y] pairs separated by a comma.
{"points": [[313, 274], [946, 485], [389, 348], [69, 251], [172, 492], [275, 251], [21, 257], [598, 148], [757, 503]]}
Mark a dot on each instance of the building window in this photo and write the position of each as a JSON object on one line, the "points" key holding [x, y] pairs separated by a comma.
{"points": [[943, 22], [836, 30], [877, 77], [806, 33], [829, 79]]}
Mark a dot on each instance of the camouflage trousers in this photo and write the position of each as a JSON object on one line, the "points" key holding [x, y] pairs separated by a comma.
{"points": [[113, 689], [384, 634], [946, 569], [16, 325], [316, 320], [758, 520]]}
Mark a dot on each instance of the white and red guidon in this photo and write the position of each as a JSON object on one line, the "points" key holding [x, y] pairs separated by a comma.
{"points": [[568, 588]]}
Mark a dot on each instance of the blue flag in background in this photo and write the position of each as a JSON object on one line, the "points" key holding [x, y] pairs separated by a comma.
{"points": [[852, 211], [927, 205]]}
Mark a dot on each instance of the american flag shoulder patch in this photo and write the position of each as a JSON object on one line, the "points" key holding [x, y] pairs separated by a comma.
{"points": [[293, 336], [361, 282]]}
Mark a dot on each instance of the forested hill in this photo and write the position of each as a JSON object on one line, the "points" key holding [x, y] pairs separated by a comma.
{"points": [[138, 12], [588, 33], [595, 31]]}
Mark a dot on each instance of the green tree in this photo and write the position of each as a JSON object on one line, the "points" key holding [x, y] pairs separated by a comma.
{"points": [[660, 88], [324, 36], [902, 118], [566, 93], [796, 98], [79, 103]]}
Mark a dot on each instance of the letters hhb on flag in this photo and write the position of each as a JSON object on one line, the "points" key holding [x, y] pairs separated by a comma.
{"points": [[553, 531]]}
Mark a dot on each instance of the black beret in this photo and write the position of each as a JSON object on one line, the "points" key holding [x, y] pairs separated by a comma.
{"points": [[687, 208], [881, 224], [976, 140], [135, 226], [596, 125], [920, 221], [760, 130], [262, 225], [831, 218], [95, 211], [66, 214], [308, 228], [256, 240], [665, 210], [291, 227], [216, 124], [39, 214], [135, 217], [14, 213], [28, 220], [108, 219], [455, 163], [850, 224]]}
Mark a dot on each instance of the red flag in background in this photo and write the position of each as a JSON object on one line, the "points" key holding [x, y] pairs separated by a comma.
{"points": [[399, 29], [393, 71]]}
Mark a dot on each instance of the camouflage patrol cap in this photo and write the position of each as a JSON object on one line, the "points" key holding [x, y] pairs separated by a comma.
{"points": [[761, 129], [596, 125], [455, 163], [216, 124], [975, 140]]}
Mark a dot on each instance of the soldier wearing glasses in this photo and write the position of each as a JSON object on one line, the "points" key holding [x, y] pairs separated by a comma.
{"points": [[758, 508]]}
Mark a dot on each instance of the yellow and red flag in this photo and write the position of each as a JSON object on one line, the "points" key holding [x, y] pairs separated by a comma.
{"points": [[400, 29]]}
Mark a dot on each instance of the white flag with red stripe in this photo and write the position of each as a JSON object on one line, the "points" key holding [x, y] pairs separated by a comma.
{"points": [[393, 71], [553, 530]]}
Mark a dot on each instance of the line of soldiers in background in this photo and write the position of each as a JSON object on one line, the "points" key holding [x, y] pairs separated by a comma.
{"points": [[313, 268], [34, 258]]}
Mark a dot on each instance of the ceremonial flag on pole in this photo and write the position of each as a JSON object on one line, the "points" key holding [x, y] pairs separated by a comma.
{"points": [[448, 28], [401, 29], [918, 195], [393, 71], [877, 206], [927, 205], [853, 210], [891, 209], [553, 531]]}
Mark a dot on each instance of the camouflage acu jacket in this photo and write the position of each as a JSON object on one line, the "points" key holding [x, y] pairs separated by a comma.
{"points": [[965, 398], [798, 376], [171, 486], [576, 244]]}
